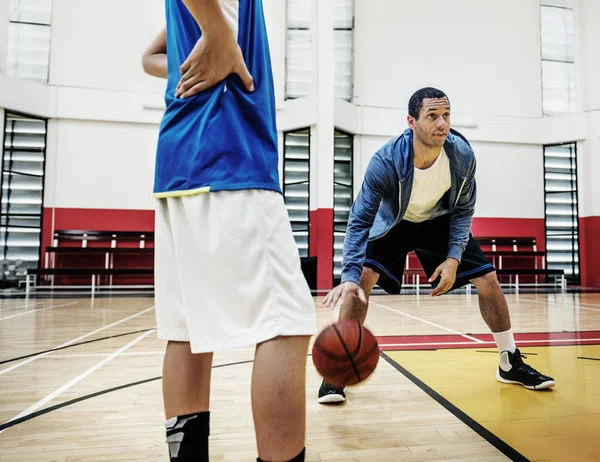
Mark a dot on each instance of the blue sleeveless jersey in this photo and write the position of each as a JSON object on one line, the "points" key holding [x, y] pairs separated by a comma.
{"points": [[224, 138]]}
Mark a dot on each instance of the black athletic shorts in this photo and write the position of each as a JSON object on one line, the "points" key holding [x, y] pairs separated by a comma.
{"points": [[429, 239]]}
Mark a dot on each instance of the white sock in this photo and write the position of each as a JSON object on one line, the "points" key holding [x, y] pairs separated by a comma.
{"points": [[505, 340]]}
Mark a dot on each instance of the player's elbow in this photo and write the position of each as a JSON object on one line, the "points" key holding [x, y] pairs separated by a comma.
{"points": [[146, 59]]}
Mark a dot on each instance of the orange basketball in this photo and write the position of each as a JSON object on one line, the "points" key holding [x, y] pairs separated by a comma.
{"points": [[345, 353]]}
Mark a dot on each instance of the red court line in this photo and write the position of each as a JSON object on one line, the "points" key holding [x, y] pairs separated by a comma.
{"points": [[440, 342]]}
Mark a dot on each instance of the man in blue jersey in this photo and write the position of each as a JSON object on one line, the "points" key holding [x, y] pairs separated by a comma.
{"points": [[419, 193], [227, 267]]}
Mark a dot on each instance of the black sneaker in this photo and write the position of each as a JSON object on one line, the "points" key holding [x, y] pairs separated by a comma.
{"points": [[328, 394], [521, 373]]}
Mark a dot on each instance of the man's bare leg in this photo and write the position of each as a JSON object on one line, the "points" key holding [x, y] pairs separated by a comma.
{"points": [[186, 380], [494, 311], [279, 397], [186, 396], [492, 303]]}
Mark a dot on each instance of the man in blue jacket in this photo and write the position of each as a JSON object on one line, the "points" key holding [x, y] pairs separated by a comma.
{"points": [[419, 194]]}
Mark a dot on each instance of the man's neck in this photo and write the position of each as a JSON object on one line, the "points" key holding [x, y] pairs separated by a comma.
{"points": [[424, 156]]}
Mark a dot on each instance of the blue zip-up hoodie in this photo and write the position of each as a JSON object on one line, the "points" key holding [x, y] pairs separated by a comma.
{"points": [[385, 194]]}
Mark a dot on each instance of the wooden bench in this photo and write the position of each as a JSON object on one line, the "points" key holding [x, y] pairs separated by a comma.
{"points": [[94, 235], [499, 250], [94, 273], [414, 277], [89, 243]]}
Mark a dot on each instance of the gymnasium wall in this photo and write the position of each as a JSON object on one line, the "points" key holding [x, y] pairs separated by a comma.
{"points": [[486, 55], [4, 5], [97, 44], [104, 111], [589, 150], [100, 165]]}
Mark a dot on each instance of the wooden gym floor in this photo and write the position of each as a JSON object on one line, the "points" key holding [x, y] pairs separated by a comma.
{"points": [[433, 396]]}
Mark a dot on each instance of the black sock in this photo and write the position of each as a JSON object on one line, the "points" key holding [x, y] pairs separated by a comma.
{"points": [[187, 437], [298, 458]]}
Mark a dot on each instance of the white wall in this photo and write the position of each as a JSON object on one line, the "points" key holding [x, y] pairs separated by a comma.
{"points": [[100, 44], [275, 14], [100, 165], [594, 170], [510, 181], [4, 9], [484, 54], [588, 18], [588, 153]]}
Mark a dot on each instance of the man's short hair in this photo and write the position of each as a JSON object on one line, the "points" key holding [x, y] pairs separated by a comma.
{"points": [[416, 100]]}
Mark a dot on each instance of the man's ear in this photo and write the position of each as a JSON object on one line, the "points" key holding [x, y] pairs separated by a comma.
{"points": [[412, 122]]}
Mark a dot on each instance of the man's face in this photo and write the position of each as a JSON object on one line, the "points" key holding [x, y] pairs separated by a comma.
{"points": [[433, 124]]}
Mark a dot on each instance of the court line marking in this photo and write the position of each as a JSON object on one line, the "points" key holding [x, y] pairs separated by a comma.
{"points": [[27, 305], [562, 305], [75, 340], [427, 322], [95, 355], [12, 423], [87, 342], [584, 304], [137, 353], [37, 310], [491, 342], [78, 379], [491, 438]]}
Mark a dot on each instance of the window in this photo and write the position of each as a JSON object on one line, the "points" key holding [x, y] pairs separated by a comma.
{"points": [[28, 52], [299, 49], [296, 185], [342, 196], [343, 25], [558, 57], [561, 209], [23, 163]]}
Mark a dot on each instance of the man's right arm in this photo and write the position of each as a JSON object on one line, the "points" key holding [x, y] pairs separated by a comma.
{"points": [[362, 216]]}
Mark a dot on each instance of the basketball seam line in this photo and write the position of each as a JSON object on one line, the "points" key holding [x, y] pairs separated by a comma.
{"points": [[346, 349], [355, 353], [328, 354]]}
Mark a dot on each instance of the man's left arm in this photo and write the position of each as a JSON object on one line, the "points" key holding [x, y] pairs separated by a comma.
{"points": [[461, 218]]}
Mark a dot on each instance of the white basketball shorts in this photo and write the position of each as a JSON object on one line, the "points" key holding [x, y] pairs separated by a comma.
{"points": [[227, 271]]}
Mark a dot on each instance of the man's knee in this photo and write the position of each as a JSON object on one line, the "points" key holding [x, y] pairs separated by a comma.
{"points": [[487, 283]]}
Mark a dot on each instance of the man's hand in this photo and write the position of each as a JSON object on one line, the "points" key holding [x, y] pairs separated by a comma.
{"points": [[447, 271], [213, 58], [341, 292]]}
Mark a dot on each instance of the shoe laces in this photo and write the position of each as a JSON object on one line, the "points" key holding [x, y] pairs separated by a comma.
{"points": [[330, 386], [518, 362]]}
